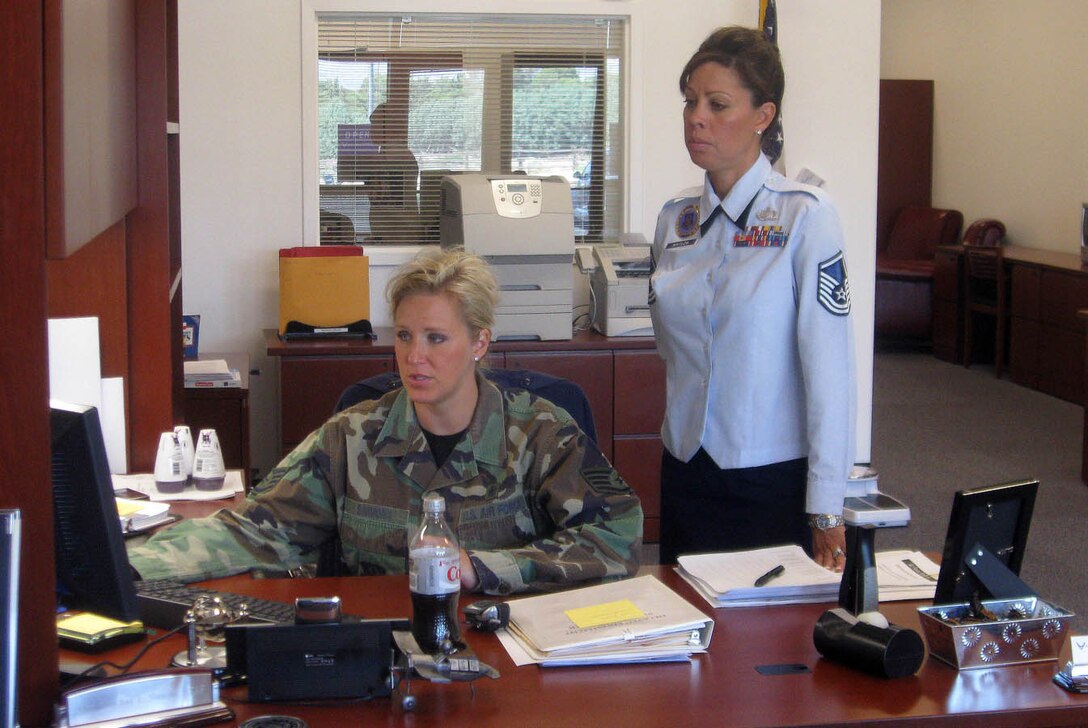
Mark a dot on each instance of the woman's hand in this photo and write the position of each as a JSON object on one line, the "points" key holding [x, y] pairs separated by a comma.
{"points": [[828, 548], [469, 578]]}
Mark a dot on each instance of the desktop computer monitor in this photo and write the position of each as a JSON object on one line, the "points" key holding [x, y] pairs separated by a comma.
{"points": [[998, 518], [10, 529], [93, 572]]}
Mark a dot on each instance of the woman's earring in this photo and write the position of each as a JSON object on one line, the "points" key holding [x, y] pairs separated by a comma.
{"points": [[475, 358], [759, 132]]}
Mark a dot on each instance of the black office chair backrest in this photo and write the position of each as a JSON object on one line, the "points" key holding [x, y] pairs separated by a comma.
{"points": [[560, 392]]}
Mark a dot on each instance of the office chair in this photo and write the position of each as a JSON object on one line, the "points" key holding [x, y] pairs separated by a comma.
{"points": [[904, 271], [985, 287], [560, 392], [336, 228]]}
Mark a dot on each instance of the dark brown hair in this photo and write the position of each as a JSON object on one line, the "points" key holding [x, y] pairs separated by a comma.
{"points": [[748, 52]]}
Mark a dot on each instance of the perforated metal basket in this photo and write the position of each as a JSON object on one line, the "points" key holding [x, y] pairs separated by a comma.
{"points": [[1007, 641]]}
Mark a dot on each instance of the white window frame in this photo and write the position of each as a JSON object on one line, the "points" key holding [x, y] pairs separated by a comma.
{"points": [[632, 93]]}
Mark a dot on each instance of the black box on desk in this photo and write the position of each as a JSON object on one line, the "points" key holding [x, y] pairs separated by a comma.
{"points": [[313, 661]]}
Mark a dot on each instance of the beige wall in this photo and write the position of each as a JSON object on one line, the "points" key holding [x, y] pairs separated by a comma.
{"points": [[1011, 107], [243, 77]]}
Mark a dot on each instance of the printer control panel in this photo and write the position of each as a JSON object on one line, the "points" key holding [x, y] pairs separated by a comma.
{"points": [[518, 198]]}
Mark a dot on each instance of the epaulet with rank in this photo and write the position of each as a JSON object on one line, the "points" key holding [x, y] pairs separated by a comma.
{"points": [[779, 183]]}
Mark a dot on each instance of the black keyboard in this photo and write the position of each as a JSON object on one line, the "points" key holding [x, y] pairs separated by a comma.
{"points": [[163, 603]]}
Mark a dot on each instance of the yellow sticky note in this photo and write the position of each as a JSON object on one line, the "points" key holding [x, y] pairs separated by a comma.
{"points": [[126, 507], [89, 623], [601, 614]]}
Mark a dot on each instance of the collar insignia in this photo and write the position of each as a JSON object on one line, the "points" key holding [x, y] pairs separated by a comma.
{"points": [[766, 215]]}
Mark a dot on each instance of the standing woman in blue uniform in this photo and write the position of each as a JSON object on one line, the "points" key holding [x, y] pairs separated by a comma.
{"points": [[751, 310]]}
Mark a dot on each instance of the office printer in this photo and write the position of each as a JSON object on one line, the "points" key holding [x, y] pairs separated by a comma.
{"points": [[620, 284], [524, 227]]}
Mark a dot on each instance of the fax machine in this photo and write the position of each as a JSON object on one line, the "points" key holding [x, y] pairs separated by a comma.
{"points": [[524, 227], [619, 282]]}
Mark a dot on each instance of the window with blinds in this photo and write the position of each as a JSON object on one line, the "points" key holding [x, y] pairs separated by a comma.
{"points": [[405, 100]]}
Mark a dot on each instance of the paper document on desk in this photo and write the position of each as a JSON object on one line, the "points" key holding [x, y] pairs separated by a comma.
{"points": [[634, 620], [145, 483], [140, 515], [904, 575], [728, 579], [207, 369]]}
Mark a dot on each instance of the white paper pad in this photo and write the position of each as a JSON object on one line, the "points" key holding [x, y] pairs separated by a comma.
{"points": [[901, 575], [75, 371], [729, 577], [206, 368]]}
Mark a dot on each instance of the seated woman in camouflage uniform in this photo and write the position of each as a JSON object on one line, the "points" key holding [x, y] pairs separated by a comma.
{"points": [[533, 502]]}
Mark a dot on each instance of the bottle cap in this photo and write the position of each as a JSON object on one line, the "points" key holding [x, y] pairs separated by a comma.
{"points": [[433, 503]]}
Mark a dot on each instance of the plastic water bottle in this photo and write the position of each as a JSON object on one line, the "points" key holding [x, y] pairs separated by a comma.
{"points": [[434, 578]]}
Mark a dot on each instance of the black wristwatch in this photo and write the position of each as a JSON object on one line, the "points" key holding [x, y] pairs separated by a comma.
{"points": [[824, 521]]}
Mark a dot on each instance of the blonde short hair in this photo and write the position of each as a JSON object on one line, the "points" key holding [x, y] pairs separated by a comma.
{"points": [[466, 277]]}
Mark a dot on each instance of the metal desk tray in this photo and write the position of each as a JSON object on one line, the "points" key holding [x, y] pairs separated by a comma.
{"points": [[1007, 641]]}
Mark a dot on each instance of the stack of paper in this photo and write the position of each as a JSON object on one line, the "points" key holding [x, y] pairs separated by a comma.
{"points": [[635, 620], [211, 373], [140, 515], [905, 575], [728, 579]]}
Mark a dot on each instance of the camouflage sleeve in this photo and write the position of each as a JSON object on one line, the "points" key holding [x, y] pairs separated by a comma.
{"points": [[592, 522], [281, 524]]}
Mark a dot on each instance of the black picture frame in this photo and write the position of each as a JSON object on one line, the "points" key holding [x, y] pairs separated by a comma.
{"points": [[996, 517]]}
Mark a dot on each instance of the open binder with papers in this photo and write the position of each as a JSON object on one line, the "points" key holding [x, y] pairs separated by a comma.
{"points": [[138, 516], [729, 579], [635, 620]]}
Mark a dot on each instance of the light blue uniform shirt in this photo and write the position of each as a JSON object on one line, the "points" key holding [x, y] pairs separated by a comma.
{"points": [[755, 331]]}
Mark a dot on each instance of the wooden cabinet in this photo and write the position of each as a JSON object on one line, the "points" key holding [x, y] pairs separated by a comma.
{"points": [[311, 386], [639, 407], [1024, 325], [225, 410], [1046, 338], [623, 378], [947, 307]]}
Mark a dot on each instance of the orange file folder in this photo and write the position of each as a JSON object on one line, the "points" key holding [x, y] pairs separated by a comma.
{"points": [[324, 286]]}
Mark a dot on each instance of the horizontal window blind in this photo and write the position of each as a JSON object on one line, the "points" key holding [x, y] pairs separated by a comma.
{"points": [[405, 99]]}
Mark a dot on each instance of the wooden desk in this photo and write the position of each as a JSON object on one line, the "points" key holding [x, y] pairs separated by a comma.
{"points": [[1046, 341], [721, 687], [623, 378]]}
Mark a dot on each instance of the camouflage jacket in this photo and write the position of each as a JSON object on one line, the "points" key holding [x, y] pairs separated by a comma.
{"points": [[531, 499]]}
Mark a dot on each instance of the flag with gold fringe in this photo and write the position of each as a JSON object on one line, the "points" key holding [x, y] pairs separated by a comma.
{"points": [[773, 137]]}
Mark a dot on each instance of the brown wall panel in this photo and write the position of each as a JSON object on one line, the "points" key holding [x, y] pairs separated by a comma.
{"points": [[24, 398], [905, 156], [92, 282]]}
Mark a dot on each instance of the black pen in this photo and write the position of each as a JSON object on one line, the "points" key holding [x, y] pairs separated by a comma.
{"points": [[766, 578]]}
